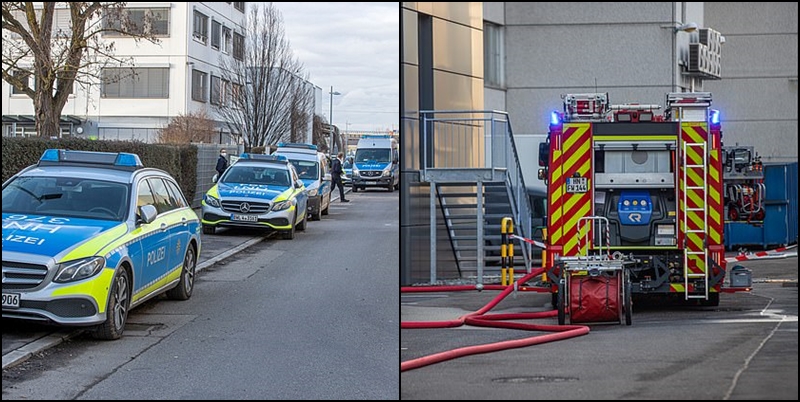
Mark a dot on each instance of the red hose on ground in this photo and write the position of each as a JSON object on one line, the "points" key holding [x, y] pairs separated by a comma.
{"points": [[479, 318]]}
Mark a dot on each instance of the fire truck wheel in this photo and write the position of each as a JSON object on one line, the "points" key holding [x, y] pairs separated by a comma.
{"points": [[760, 215], [713, 300]]}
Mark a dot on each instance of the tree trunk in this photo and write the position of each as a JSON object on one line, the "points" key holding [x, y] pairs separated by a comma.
{"points": [[47, 120]]}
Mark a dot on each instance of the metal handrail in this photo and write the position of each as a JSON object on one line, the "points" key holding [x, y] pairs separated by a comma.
{"points": [[448, 141]]}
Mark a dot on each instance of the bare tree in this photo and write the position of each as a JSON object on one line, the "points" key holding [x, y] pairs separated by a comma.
{"points": [[57, 52], [188, 128], [300, 113], [321, 133], [264, 78]]}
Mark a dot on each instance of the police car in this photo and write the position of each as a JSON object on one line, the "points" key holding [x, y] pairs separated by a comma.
{"points": [[312, 168], [87, 236], [258, 191]]}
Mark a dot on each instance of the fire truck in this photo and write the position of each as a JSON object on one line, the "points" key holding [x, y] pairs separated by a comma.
{"points": [[636, 196]]}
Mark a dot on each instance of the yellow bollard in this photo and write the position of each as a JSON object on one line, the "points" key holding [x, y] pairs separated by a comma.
{"points": [[506, 249], [544, 254]]}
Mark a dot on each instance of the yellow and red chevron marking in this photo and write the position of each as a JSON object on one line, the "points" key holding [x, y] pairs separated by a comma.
{"points": [[681, 288], [693, 226], [574, 156], [715, 194]]}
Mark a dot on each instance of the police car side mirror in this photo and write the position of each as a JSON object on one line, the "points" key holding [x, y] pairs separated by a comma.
{"points": [[215, 178], [147, 213], [298, 184]]}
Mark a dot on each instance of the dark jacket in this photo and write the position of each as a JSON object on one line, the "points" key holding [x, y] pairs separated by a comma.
{"points": [[336, 168], [222, 164]]}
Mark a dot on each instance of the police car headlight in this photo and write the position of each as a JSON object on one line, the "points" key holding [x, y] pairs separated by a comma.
{"points": [[282, 205], [313, 192], [387, 172], [355, 170], [76, 270], [210, 200]]}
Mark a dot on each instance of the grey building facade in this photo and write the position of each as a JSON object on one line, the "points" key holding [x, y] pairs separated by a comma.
{"points": [[521, 57]]}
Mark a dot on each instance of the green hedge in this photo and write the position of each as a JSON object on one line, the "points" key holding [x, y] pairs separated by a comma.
{"points": [[178, 160]]}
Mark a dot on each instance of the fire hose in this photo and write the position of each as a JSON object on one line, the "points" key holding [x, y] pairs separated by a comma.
{"points": [[481, 319]]}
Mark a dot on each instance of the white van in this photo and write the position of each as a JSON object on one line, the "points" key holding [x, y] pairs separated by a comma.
{"points": [[376, 163], [312, 167]]}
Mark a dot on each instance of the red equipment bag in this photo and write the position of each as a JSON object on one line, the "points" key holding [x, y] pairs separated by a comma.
{"points": [[595, 298]]}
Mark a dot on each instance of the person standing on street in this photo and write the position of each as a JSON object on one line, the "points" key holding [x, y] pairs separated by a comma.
{"points": [[222, 162], [336, 175]]}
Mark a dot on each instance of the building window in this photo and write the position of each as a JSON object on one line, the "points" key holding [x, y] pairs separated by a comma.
{"points": [[200, 27], [239, 5], [238, 46], [141, 21], [216, 90], [136, 83], [215, 31], [199, 86], [24, 76], [494, 55], [226, 40], [225, 93]]}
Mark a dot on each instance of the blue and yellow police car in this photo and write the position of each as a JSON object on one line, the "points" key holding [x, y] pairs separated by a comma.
{"points": [[87, 236], [312, 168], [257, 191]]}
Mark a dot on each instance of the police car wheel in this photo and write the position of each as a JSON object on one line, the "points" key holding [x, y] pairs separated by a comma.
{"points": [[325, 211], [315, 217], [302, 225], [288, 234], [183, 291], [117, 308]]}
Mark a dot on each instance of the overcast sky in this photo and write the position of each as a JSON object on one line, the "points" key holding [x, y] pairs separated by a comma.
{"points": [[354, 47]]}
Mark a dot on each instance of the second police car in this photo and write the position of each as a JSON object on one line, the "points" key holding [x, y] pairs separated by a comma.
{"points": [[258, 191], [312, 168], [87, 236]]}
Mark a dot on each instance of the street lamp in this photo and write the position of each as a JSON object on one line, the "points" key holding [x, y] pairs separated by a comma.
{"points": [[331, 145]]}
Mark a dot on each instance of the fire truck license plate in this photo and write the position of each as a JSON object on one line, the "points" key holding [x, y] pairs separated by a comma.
{"points": [[577, 185]]}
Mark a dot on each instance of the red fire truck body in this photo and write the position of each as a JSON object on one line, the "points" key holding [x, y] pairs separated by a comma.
{"points": [[629, 184]]}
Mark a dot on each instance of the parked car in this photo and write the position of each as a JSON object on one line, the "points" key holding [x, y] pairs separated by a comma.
{"points": [[87, 236], [312, 168], [258, 191], [347, 167]]}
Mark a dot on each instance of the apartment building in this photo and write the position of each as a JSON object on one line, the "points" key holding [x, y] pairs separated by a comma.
{"points": [[178, 75]]}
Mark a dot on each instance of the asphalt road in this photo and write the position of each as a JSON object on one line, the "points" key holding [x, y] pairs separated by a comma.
{"points": [[744, 349], [309, 318]]}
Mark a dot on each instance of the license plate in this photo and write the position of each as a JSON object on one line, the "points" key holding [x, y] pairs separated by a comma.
{"points": [[244, 218], [577, 185], [11, 300]]}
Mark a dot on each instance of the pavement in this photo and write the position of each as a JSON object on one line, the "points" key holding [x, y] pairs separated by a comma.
{"points": [[19, 346]]}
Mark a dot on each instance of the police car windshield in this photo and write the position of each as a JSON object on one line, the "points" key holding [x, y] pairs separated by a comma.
{"points": [[251, 174], [65, 196], [373, 155], [306, 169]]}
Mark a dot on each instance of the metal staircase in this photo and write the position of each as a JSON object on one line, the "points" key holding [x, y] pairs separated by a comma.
{"points": [[471, 164]]}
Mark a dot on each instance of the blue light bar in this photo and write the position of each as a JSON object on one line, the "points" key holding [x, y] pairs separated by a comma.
{"points": [[555, 119], [261, 157], [296, 145], [714, 116], [111, 159], [376, 136]]}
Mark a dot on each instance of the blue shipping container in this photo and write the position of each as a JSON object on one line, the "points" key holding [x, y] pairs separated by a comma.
{"points": [[780, 220]]}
